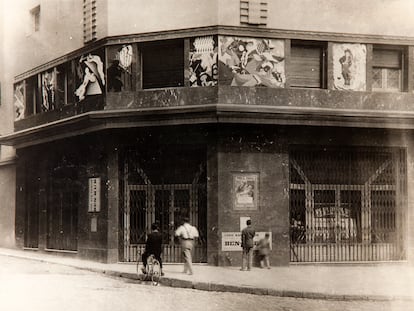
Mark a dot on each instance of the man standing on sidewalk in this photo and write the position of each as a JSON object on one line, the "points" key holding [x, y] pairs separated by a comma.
{"points": [[247, 236], [187, 233]]}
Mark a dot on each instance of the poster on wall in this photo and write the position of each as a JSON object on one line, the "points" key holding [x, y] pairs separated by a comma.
{"points": [[19, 101], [252, 62], [245, 191], [349, 66], [231, 241], [203, 61]]}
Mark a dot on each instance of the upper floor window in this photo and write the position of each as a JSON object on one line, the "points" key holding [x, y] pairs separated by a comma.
{"points": [[163, 64], [387, 70], [35, 17], [307, 65]]}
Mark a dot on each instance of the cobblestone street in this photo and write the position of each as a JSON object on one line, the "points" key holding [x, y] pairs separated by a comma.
{"points": [[32, 285]]}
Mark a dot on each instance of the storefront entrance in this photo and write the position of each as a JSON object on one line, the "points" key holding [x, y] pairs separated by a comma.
{"points": [[347, 205], [146, 202]]}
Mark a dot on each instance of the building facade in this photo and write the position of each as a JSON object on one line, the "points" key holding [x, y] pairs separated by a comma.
{"points": [[220, 111]]}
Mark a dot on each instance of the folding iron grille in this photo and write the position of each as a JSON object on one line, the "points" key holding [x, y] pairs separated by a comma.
{"points": [[347, 204], [167, 204]]}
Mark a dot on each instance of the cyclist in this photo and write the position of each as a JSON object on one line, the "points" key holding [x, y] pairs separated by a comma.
{"points": [[153, 246]]}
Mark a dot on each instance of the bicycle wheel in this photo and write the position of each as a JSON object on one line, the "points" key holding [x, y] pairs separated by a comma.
{"points": [[156, 272]]}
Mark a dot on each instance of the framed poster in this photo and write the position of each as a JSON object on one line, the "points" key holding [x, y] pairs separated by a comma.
{"points": [[245, 191]]}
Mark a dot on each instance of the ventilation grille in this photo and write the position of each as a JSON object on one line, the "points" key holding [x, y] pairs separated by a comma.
{"points": [[253, 12], [89, 20]]}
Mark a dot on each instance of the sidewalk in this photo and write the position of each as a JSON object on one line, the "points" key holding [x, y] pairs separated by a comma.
{"points": [[391, 281]]}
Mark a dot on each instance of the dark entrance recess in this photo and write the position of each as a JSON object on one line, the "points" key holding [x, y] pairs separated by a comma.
{"points": [[347, 204], [163, 185]]}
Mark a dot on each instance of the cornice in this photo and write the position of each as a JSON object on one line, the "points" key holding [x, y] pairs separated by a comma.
{"points": [[209, 114]]}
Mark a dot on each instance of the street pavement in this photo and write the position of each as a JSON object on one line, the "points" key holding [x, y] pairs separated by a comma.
{"points": [[42, 286], [378, 282]]}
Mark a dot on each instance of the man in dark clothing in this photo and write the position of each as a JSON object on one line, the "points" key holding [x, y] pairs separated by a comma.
{"points": [[247, 244], [153, 246]]}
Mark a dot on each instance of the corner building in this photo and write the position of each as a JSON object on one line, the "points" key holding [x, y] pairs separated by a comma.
{"points": [[220, 111]]}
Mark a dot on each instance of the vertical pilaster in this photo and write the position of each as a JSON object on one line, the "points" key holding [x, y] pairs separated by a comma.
{"points": [[287, 62], [213, 238], [20, 201], [113, 205], [329, 67], [369, 68], [187, 62], [409, 61]]}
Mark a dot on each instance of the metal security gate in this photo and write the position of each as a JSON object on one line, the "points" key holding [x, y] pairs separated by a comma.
{"points": [[167, 204], [347, 204]]}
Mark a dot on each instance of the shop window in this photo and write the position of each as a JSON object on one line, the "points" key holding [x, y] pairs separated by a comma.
{"points": [[387, 70], [163, 64], [307, 65]]}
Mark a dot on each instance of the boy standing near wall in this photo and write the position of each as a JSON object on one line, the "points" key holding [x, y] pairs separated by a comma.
{"points": [[264, 251]]}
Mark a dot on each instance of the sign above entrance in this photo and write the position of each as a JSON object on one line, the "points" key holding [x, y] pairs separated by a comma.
{"points": [[94, 194]]}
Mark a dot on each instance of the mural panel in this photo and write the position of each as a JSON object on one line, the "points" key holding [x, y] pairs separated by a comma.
{"points": [[121, 76], [203, 61], [251, 62], [19, 101], [48, 90], [349, 66], [90, 68]]}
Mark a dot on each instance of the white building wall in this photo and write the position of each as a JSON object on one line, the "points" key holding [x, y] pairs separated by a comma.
{"points": [[7, 167], [140, 16], [376, 17]]}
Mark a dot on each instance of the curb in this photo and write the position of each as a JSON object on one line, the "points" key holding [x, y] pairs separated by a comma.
{"points": [[218, 287]]}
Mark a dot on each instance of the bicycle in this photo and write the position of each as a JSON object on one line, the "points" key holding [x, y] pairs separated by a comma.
{"points": [[151, 272]]}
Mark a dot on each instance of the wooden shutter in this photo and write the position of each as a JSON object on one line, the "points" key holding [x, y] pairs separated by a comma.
{"points": [[305, 66], [163, 65], [387, 59]]}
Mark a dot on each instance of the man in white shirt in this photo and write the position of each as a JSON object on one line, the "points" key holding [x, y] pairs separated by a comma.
{"points": [[187, 233]]}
